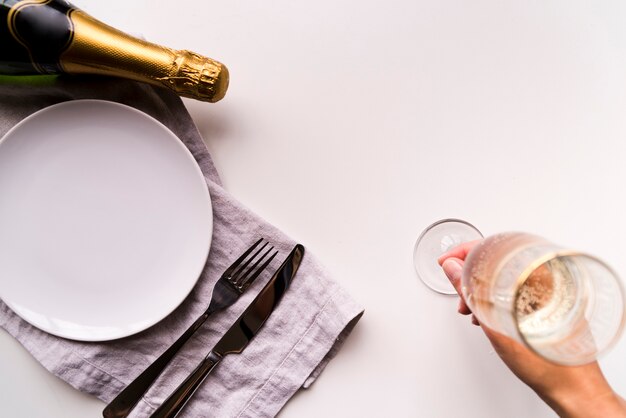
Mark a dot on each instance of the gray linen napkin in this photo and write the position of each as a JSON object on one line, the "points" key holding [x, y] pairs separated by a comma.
{"points": [[298, 340]]}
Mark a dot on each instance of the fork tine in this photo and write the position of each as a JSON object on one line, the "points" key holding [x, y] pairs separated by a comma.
{"points": [[241, 277], [243, 256], [237, 273], [249, 278]]}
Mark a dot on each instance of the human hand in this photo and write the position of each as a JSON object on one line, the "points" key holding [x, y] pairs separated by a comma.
{"points": [[571, 391]]}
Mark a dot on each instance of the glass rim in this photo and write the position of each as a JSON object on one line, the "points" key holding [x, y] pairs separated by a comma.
{"points": [[569, 253], [443, 221]]}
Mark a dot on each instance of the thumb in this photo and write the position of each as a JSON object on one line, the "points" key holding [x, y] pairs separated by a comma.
{"points": [[453, 268]]}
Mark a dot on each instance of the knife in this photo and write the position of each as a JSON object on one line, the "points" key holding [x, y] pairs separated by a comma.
{"points": [[239, 334]]}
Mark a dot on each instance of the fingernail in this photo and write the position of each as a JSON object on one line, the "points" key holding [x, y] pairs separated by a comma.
{"points": [[453, 269]]}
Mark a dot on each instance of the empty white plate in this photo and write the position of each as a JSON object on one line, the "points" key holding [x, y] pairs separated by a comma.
{"points": [[105, 220]]}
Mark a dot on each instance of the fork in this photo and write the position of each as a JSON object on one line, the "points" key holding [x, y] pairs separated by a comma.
{"points": [[233, 282]]}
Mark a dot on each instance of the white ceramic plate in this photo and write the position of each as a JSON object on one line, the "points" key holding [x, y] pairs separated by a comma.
{"points": [[105, 220]]}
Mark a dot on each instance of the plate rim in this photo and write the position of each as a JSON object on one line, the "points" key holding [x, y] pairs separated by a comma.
{"points": [[148, 323]]}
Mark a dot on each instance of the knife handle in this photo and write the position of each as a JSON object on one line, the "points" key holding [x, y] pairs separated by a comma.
{"points": [[177, 400], [126, 400]]}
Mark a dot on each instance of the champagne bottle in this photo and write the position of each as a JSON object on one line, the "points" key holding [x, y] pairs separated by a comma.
{"points": [[53, 37]]}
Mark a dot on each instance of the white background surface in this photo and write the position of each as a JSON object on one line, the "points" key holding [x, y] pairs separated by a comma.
{"points": [[376, 118]]}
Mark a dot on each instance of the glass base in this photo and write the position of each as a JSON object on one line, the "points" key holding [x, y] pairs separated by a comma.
{"points": [[436, 240]]}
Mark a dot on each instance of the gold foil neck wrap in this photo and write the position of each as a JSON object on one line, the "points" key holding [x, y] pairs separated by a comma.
{"points": [[101, 49], [197, 76]]}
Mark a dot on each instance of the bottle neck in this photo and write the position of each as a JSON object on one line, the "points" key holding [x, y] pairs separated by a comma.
{"points": [[100, 49]]}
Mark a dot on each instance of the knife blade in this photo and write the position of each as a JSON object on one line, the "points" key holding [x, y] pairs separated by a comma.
{"points": [[238, 335]]}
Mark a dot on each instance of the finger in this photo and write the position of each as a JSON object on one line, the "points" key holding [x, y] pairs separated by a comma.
{"points": [[453, 268], [460, 251], [463, 309], [475, 321]]}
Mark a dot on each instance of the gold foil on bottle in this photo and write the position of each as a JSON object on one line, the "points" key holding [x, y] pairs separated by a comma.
{"points": [[100, 49], [197, 76]]}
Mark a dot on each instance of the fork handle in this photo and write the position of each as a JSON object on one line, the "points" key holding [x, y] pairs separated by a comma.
{"points": [[177, 400], [126, 400]]}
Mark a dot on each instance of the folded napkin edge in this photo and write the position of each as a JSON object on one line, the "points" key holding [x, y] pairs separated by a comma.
{"points": [[309, 357]]}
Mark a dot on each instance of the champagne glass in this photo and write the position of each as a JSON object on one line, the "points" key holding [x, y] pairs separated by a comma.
{"points": [[565, 305]]}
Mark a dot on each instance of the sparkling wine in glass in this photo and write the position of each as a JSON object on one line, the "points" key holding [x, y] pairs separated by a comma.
{"points": [[565, 305]]}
